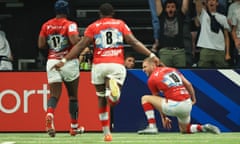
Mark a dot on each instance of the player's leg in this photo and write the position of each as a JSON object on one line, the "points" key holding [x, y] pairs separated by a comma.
{"points": [[116, 75], [70, 75], [55, 85], [104, 112], [72, 88], [150, 102], [113, 91], [55, 93], [98, 73], [182, 112], [194, 128], [211, 129]]}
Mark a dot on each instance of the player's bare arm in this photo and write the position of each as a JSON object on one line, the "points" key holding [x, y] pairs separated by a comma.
{"points": [[136, 44], [42, 42], [167, 123], [139, 47], [74, 39], [189, 88]]}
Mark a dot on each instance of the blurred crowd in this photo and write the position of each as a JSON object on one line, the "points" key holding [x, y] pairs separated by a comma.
{"points": [[207, 37]]}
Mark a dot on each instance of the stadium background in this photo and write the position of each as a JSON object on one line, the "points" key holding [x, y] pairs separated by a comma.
{"points": [[23, 94]]}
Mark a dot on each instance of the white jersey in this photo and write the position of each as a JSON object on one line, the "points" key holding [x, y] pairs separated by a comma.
{"points": [[209, 39], [232, 8]]}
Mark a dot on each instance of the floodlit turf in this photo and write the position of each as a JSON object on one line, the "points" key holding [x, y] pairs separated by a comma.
{"points": [[121, 138]]}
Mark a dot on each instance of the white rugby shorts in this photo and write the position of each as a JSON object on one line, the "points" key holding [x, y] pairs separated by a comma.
{"points": [[109, 70], [179, 109], [68, 73]]}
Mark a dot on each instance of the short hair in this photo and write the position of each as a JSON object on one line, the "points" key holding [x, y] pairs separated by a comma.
{"points": [[106, 9]]}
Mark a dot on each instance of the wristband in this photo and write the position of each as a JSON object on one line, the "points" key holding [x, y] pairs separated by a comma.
{"points": [[64, 60], [152, 55]]}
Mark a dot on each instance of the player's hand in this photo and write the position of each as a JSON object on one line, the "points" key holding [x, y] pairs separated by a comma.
{"points": [[193, 98], [167, 123], [193, 102], [58, 66]]}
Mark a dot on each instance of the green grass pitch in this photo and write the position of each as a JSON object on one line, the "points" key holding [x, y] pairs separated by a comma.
{"points": [[121, 138]]}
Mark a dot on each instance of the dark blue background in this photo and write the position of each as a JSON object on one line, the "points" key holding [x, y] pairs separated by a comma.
{"points": [[218, 100]]}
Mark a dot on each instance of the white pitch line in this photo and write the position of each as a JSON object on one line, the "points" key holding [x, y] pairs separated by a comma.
{"points": [[8, 142]]}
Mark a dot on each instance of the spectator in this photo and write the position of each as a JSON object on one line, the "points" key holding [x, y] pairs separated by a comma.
{"points": [[186, 30], [195, 28], [234, 22], [171, 38], [6, 57], [187, 39], [231, 11], [129, 61], [213, 37]]}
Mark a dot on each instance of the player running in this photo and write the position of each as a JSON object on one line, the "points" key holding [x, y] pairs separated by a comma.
{"points": [[59, 35]]}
